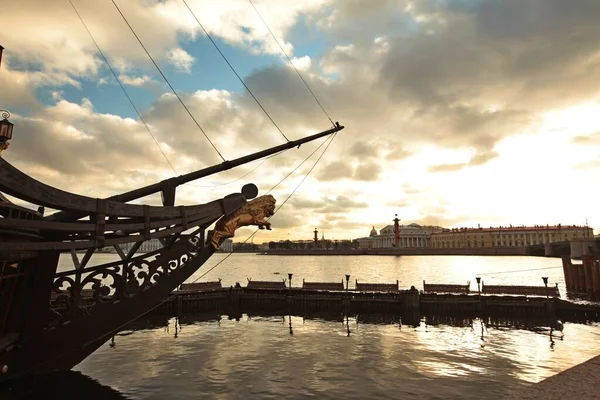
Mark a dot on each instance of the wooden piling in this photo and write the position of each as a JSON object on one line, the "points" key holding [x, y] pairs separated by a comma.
{"points": [[581, 278], [588, 261], [596, 278], [566, 263]]}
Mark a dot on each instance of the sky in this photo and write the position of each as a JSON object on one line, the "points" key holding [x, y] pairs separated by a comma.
{"points": [[456, 112]]}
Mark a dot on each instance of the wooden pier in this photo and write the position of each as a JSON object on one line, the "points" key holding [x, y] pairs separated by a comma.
{"points": [[369, 298]]}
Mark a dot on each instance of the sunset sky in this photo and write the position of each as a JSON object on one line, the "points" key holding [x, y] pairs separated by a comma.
{"points": [[457, 113]]}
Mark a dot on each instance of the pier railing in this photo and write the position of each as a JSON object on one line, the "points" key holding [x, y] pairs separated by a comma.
{"points": [[446, 288], [551, 291]]}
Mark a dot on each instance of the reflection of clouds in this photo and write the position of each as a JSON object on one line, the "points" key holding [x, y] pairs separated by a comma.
{"points": [[258, 358]]}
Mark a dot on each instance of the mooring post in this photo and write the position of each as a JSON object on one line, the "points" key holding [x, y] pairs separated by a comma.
{"points": [[596, 278], [478, 285], [588, 262], [347, 285], [545, 279], [566, 263]]}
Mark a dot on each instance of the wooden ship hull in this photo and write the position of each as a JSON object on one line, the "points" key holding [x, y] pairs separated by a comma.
{"points": [[51, 320]]}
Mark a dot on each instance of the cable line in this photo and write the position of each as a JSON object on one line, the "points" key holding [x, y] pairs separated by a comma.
{"points": [[241, 177], [291, 63], [285, 201], [168, 83], [234, 71], [520, 270], [123, 88]]}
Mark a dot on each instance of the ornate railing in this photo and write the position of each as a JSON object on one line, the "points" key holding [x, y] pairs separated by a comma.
{"points": [[82, 289]]}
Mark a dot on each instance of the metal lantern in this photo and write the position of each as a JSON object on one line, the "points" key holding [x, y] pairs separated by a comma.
{"points": [[6, 127]]}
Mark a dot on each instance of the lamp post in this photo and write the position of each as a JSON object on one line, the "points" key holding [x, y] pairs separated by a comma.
{"points": [[545, 279], [6, 130], [290, 278], [478, 285], [347, 282]]}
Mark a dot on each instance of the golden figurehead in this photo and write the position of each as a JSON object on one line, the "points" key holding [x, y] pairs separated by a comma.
{"points": [[255, 212]]}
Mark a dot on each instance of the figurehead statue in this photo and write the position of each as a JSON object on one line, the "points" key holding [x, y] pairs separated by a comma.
{"points": [[255, 212]]}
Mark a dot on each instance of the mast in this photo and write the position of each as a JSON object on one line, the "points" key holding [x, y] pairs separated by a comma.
{"points": [[168, 186]]}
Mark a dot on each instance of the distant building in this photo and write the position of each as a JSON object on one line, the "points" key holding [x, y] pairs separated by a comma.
{"points": [[245, 247], [410, 236], [147, 246], [511, 236], [227, 245]]}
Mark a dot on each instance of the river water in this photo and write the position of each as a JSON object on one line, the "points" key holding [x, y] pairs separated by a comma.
{"points": [[264, 357]]}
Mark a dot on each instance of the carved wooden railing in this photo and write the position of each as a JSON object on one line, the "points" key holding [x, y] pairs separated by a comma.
{"points": [[120, 280]]}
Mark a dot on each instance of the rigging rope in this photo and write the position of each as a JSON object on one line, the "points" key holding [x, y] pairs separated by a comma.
{"points": [[28, 370], [291, 63], [234, 71], [123, 88], [168, 83], [285, 201], [241, 177], [520, 270]]}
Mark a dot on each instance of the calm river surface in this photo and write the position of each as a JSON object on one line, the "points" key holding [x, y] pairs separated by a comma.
{"points": [[257, 357]]}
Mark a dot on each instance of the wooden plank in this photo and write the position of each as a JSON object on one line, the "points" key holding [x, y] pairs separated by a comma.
{"points": [[18, 184], [75, 259], [86, 258], [100, 222], [445, 288], [146, 222], [124, 225], [521, 290], [119, 251], [84, 244], [200, 286], [184, 220], [266, 284], [133, 249], [323, 285]]}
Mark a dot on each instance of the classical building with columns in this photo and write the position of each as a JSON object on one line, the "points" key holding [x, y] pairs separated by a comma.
{"points": [[508, 236], [409, 236]]}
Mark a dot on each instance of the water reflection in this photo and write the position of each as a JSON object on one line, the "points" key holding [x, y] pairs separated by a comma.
{"points": [[323, 355]]}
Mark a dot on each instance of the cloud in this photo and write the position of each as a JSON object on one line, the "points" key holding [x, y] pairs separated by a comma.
{"points": [[334, 171], [397, 152], [587, 139], [477, 159], [138, 81], [339, 170], [337, 205], [181, 59], [367, 171], [363, 149]]}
